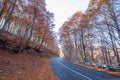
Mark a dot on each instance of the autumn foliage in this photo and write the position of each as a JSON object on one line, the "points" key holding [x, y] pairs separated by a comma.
{"points": [[30, 21], [93, 36]]}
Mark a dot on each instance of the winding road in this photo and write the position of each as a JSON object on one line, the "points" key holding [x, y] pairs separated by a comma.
{"points": [[68, 71]]}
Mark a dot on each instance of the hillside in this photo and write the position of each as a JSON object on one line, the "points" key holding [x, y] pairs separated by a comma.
{"points": [[25, 65]]}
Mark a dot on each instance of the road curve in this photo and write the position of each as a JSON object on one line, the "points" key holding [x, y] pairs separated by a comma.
{"points": [[68, 71]]}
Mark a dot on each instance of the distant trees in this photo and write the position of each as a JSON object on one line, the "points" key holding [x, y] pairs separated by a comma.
{"points": [[27, 19], [109, 24], [94, 34]]}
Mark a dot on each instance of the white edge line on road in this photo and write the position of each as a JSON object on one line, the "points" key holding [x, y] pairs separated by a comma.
{"points": [[75, 71]]}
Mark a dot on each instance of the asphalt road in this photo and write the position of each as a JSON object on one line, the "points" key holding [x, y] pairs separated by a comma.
{"points": [[68, 71]]}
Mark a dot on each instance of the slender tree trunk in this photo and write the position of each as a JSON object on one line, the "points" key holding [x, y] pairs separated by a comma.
{"points": [[43, 38], [114, 47], [75, 42], [3, 8], [31, 30], [83, 46], [81, 55], [109, 57], [8, 17]]}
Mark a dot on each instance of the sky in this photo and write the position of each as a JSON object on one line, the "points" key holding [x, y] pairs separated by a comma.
{"points": [[63, 9]]}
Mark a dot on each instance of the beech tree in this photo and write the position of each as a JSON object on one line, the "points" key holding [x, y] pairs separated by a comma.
{"points": [[29, 20], [94, 33]]}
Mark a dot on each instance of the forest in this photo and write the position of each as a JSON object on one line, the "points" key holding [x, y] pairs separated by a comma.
{"points": [[27, 40], [30, 22], [93, 36], [29, 46]]}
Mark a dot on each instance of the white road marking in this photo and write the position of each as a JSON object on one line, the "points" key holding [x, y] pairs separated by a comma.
{"points": [[74, 71]]}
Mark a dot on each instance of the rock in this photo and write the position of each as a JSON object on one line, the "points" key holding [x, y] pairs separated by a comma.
{"points": [[23, 59], [36, 63], [11, 62], [0, 70], [2, 77], [19, 72]]}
